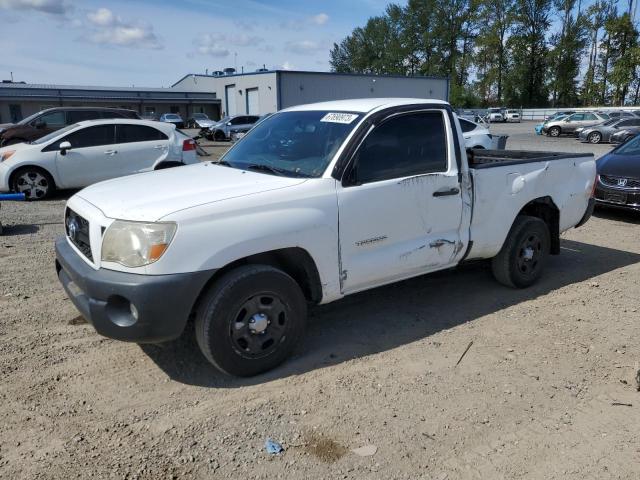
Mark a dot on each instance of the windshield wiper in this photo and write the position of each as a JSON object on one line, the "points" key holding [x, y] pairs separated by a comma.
{"points": [[259, 167]]}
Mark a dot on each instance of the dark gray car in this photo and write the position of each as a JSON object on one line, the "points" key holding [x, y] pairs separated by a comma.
{"points": [[228, 125], [602, 133]]}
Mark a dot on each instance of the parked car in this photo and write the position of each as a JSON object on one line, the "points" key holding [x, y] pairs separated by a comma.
{"points": [[618, 182], [602, 132], [625, 134], [173, 118], [479, 136], [228, 125], [52, 119], [200, 120], [91, 151], [567, 125], [305, 209], [538, 128], [496, 115], [512, 116], [618, 114]]}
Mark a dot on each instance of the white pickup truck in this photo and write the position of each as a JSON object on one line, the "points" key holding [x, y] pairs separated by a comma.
{"points": [[315, 203]]}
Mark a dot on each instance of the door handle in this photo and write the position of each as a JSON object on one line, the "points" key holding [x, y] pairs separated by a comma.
{"points": [[159, 147], [110, 152], [444, 193]]}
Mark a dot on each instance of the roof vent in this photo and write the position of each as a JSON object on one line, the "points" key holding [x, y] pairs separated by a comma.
{"points": [[229, 71]]}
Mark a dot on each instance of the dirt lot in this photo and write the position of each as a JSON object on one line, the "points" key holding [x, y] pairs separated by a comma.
{"points": [[541, 394]]}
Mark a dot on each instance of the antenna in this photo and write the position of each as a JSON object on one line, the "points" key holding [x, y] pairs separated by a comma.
{"points": [[11, 77]]}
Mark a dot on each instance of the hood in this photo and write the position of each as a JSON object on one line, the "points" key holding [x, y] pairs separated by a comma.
{"points": [[4, 126], [205, 123], [619, 165], [154, 195], [19, 147]]}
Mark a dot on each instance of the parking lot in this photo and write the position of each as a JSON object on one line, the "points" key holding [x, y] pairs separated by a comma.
{"points": [[546, 390]]}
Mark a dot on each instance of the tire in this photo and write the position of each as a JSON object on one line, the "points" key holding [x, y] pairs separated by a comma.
{"points": [[523, 256], [554, 132], [594, 137], [34, 182], [230, 320], [219, 136]]}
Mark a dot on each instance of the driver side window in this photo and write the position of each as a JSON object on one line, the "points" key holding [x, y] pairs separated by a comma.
{"points": [[410, 144]]}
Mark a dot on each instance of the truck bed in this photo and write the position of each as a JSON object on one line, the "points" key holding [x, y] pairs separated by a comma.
{"points": [[480, 158]]}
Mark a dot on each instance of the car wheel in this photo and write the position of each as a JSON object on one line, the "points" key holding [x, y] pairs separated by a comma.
{"points": [[250, 320], [554, 132], [594, 137], [219, 136], [35, 183], [521, 260]]}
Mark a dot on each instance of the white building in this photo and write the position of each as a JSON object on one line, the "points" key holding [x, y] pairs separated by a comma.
{"points": [[264, 92]]}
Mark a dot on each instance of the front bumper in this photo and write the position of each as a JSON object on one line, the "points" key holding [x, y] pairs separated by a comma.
{"points": [[162, 303], [616, 198]]}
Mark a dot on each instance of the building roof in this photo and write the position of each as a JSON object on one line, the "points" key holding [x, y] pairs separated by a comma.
{"points": [[308, 73], [87, 92]]}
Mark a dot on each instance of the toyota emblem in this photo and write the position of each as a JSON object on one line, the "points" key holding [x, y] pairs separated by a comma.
{"points": [[622, 182]]}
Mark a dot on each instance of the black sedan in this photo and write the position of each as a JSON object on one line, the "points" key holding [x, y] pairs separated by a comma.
{"points": [[618, 183]]}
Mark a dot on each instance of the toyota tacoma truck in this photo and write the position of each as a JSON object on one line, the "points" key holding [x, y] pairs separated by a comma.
{"points": [[317, 202]]}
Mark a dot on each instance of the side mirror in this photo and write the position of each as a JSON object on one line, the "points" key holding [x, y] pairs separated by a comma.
{"points": [[228, 124], [64, 147], [40, 124], [567, 120]]}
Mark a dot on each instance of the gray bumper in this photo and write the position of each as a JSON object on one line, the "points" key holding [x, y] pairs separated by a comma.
{"points": [[105, 298]]}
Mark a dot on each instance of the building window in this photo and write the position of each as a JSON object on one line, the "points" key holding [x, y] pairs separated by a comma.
{"points": [[149, 110], [15, 113]]}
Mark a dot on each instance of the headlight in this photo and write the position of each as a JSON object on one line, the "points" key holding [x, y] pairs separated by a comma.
{"points": [[135, 244], [6, 155]]}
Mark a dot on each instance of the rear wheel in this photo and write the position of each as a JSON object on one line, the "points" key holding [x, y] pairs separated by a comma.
{"points": [[35, 183], [594, 137], [219, 136], [250, 320], [521, 260], [554, 132]]}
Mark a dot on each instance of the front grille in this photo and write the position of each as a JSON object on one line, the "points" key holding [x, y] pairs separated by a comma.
{"points": [[77, 228], [620, 182]]}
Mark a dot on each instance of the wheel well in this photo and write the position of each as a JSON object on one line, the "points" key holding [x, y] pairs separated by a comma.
{"points": [[163, 165], [295, 262], [30, 167], [544, 209]]}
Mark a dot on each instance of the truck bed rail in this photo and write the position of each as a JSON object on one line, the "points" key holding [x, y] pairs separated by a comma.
{"points": [[479, 158]]}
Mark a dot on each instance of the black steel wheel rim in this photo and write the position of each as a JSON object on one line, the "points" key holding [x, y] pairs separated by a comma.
{"points": [[529, 255], [260, 326]]}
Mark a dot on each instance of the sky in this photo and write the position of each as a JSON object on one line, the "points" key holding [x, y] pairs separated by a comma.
{"points": [[153, 43]]}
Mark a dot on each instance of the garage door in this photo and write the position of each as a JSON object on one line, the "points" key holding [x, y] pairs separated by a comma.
{"points": [[253, 101], [230, 100]]}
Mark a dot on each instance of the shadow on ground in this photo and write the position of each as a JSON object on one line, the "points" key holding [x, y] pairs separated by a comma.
{"points": [[398, 314], [616, 214]]}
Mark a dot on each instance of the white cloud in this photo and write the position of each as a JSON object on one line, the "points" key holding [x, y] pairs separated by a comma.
{"points": [[111, 29], [304, 47], [286, 66], [320, 19], [218, 44], [54, 7]]}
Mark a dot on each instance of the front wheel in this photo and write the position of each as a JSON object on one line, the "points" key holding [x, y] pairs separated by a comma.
{"points": [[35, 183], [521, 260], [250, 320], [594, 137], [554, 132]]}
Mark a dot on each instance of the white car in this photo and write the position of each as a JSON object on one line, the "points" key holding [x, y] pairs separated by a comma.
{"points": [[495, 115], [315, 203], [88, 152], [477, 136], [512, 116]]}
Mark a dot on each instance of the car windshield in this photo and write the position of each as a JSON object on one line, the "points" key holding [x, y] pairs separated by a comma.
{"points": [[24, 121], [297, 144], [172, 117], [604, 115], [632, 147], [611, 121], [200, 116], [53, 135]]}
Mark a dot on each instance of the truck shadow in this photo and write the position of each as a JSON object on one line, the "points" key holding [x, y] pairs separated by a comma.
{"points": [[398, 314]]}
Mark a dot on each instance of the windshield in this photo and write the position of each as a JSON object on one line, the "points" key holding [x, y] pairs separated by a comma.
{"points": [[632, 147], [172, 117], [300, 143], [55, 134], [610, 122], [200, 116], [24, 121], [604, 115]]}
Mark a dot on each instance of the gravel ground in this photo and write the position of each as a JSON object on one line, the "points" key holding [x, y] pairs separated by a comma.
{"points": [[545, 391]]}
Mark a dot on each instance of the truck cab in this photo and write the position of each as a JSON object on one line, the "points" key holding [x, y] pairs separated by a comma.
{"points": [[316, 202]]}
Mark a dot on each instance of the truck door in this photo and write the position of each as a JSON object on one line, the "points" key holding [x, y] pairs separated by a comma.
{"points": [[400, 203]]}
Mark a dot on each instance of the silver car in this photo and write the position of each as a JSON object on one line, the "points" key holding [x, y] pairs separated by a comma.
{"points": [[228, 125], [568, 125], [604, 131]]}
